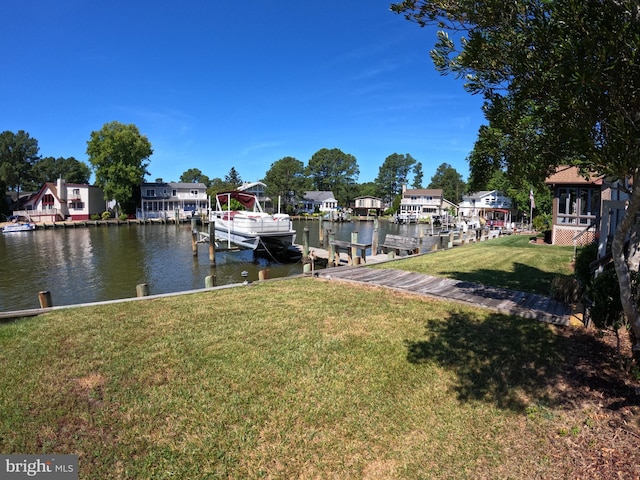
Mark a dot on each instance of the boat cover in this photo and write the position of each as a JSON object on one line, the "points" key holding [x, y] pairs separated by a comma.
{"points": [[246, 199]]}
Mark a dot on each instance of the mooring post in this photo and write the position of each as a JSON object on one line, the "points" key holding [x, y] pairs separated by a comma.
{"points": [[263, 274], [210, 281], [354, 248], [374, 237], [212, 243], [320, 231], [142, 290], [305, 242], [45, 299], [332, 250]]}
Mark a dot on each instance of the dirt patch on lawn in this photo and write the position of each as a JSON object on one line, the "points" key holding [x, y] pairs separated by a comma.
{"points": [[598, 424]]}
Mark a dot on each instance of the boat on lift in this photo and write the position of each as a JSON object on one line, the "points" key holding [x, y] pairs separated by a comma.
{"points": [[251, 228]]}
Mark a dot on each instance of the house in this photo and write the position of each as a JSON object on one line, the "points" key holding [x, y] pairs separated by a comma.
{"points": [[258, 189], [424, 203], [586, 207], [319, 201], [168, 199], [64, 201], [489, 205], [368, 204]]}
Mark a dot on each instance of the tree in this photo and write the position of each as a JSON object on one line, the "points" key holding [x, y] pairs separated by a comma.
{"points": [[285, 179], [417, 176], [119, 155], [450, 181], [49, 169], [392, 174], [369, 189], [194, 175], [18, 153], [232, 179], [561, 82], [336, 171]]}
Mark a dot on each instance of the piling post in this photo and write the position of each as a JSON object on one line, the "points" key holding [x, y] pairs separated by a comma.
{"points": [[263, 274], [451, 234], [142, 290], [194, 242], [320, 231], [45, 299], [210, 281], [305, 242], [332, 250], [374, 237], [212, 243], [353, 249]]}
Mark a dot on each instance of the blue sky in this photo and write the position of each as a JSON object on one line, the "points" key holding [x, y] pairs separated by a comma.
{"points": [[215, 85]]}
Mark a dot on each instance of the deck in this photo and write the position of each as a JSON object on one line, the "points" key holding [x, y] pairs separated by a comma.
{"points": [[526, 305]]}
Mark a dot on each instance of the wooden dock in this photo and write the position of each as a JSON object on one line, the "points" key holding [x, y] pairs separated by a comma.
{"points": [[526, 305]]}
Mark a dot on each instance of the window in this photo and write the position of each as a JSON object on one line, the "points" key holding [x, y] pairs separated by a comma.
{"points": [[76, 205], [577, 206], [150, 192], [194, 193]]}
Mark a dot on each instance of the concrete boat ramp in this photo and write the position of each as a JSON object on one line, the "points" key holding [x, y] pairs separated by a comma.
{"points": [[527, 305]]}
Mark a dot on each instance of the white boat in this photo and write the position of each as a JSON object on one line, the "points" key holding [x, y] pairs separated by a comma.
{"points": [[251, 228], [19, 227]]}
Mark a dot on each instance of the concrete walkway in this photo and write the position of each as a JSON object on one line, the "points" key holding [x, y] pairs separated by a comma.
{"points": [[527, 305]]}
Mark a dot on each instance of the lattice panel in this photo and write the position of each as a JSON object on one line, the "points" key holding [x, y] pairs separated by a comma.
{"points": [[565, 237]]}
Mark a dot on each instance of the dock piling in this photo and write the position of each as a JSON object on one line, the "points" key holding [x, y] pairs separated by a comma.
{"points": [[212, 243], [142, 290], [45, 299]]}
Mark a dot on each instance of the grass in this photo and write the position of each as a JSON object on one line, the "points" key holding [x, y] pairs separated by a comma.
{"points": [[298, 378], [508, 262]]}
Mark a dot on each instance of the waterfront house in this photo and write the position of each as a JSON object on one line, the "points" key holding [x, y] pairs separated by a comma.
{"points": [[367, 205], [586, 207], [425, 203], [491, 206], [171, 199], [319, 201], [64, 201]]}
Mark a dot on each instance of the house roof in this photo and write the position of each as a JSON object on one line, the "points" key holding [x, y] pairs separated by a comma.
{"points": [[368, 196], [480, 194], [173, 184], [568, 175], [427, 192], [319, 196]]}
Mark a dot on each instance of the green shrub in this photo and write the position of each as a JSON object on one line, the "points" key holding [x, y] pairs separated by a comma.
{"points": [[95, 216], [106, 215]]}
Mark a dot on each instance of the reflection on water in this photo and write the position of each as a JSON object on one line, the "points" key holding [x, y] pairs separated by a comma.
{"points": [[103, 263]]}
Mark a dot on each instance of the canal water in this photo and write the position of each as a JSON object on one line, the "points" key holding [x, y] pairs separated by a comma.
{"points": [[81, 265]]}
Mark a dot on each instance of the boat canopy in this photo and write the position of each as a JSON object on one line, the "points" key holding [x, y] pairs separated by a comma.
{"points": [[246, 199]]}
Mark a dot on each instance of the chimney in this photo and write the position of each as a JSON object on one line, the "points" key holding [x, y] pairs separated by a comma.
{"points": [[62, 189]]}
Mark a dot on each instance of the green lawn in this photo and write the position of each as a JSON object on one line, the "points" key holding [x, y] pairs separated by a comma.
{"points": [[508, 262], [298, 378]]}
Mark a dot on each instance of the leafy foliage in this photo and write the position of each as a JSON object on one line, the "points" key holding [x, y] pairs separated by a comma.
{"points": [[194, 175], [336, 171], [450, 181], [49, 169], [119, 155], [392, 174], [18, 154], [285, 179]]}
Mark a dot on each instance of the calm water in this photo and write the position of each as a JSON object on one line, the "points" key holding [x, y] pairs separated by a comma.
{"points": [[102, 263]]}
